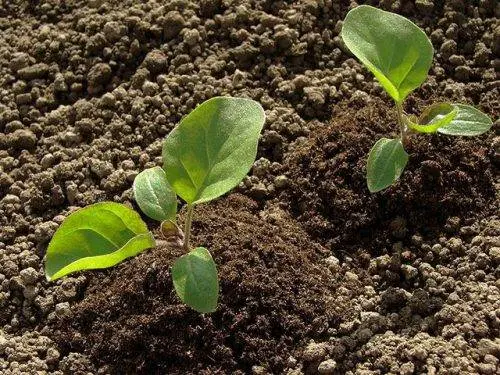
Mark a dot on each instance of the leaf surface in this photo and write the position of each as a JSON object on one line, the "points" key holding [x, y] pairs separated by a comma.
{"points": [[213, 148], [154, 195], [386, 162], [195, 280], [98, 236], [469, 121], [392, 47], [434, 117]]}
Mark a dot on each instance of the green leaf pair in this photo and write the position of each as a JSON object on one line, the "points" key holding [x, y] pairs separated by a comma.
{"points": [[399, 55], [388, 158], [205, 156]]}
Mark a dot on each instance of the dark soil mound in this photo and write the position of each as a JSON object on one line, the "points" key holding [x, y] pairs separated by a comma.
{"points": [[273, 295], [445, 176]]}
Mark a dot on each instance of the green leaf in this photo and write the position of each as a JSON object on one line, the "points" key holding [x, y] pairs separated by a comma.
{"points": [[154, 195], [97, 236], [213, 148], [169, 228], [392, 47], [434, 117], [386, 162], [195, 280], [469, 121]]}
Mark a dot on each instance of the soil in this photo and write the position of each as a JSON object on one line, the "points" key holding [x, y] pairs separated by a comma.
{"points": [[445, 178], [317, 275], [275, 292]]}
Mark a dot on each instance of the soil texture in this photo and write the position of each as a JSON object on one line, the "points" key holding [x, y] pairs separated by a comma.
{"points": [[275, 293], [317, 275]]}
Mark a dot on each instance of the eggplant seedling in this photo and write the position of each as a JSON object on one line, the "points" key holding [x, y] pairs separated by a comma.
{"points": [[207, 154], [399, 54]]}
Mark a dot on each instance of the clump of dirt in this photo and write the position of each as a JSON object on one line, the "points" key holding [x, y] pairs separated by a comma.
{"points": [[445, 177], [275, 292]]}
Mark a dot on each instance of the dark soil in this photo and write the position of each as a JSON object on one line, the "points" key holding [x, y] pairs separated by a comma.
{"points": [[275, 294], [444, 178]]}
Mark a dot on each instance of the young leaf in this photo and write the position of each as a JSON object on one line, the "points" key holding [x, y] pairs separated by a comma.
{"points": [[97, 236], [169, 228], [195, 280], [393, 48], [469, 121], [172, 233], [434, 117], [386, 162], [154, 194], [213, 148]]}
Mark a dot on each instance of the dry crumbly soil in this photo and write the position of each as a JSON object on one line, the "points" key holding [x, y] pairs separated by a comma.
{"points": [[317, 275]]}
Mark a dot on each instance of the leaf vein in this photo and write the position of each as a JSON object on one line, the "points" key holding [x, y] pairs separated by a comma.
{"points": [[150, 186], [219, 151], [188, 174], [407, 73]]}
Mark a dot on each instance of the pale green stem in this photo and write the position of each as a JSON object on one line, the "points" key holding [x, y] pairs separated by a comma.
{"points": [[187, 226], [401, 121]]}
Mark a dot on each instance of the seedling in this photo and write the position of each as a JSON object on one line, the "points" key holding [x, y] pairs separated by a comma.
{"points": [[399, 55], [205, 156]]}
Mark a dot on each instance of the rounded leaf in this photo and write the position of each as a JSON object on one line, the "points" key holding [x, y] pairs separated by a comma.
{"points": [[434, 117], [392, 47], [213, 148], [195, 280], [154, 195], [386, 162], [98, 236], [469, 121]]}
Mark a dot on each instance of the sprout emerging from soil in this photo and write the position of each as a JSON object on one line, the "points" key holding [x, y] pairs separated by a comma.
{"points": [[399, 54], [205, 156]]}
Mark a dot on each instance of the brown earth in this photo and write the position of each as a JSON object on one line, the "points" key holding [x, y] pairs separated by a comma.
{"points": [[445, 177], [275, 293], [317, 275]]}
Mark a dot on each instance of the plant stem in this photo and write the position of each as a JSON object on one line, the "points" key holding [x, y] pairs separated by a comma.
{"points": [[187, 226], [401, 121]]}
